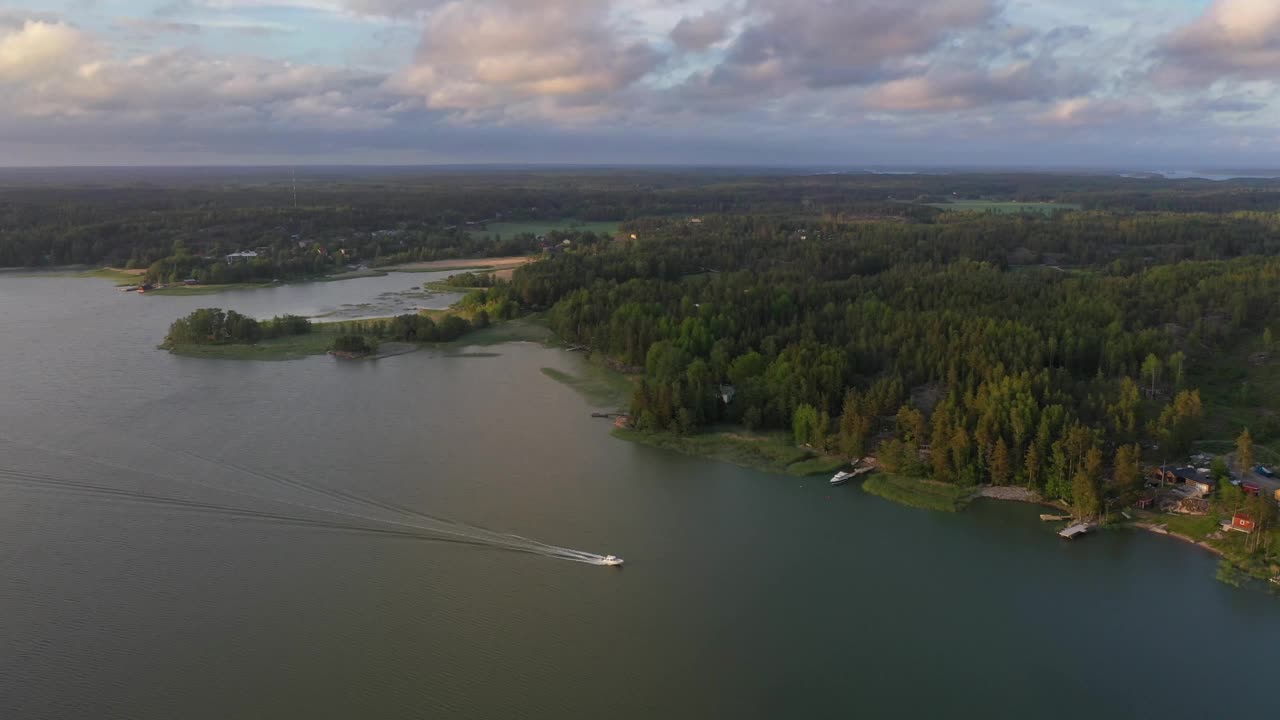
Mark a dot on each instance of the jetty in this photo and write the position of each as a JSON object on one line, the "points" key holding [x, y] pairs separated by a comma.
{"points": [[1074, 531], [1055, 518]]}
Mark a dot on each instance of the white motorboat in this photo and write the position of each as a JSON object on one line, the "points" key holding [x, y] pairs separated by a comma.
{"points": [[841, 477], [611, 560]]}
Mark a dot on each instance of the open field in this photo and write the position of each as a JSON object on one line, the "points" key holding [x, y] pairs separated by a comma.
{"points": [[1004, 206], [542, 227], [493, 263]]}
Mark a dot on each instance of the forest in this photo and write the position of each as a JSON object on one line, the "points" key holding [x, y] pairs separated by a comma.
{"points": [[1054, 351], [312, 220], [215, 326]]}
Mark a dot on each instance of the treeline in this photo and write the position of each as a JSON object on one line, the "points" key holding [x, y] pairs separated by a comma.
{"points": [[215, 326], [919, 343], [120, 220]]}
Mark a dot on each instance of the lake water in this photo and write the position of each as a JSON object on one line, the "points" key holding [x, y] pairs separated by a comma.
{"points": [[745, 595]]}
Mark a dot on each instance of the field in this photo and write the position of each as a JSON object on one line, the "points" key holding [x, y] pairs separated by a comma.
{"points": [[542, 227], [1004, 206], [498, 264]]}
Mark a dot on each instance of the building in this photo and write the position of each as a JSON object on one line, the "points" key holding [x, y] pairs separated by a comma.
{"points": [[1198, 480], [241, 256], [1203, 485], [1241, 522]]}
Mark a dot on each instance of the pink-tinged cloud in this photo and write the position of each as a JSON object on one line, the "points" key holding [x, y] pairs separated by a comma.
{"points": [[1237, 39], [493, 55]]}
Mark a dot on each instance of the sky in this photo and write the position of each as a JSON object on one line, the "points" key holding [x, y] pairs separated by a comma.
{"points": [[1141, 84]]}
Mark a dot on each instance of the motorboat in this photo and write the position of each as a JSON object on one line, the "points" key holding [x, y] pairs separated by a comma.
{"points": [[611, 560], [841, 477]]}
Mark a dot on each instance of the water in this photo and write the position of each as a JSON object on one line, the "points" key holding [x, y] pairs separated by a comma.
{"points": [[744, 595]]}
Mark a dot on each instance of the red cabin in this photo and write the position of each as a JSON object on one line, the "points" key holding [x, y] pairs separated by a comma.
{"points": [[1242, 522]]}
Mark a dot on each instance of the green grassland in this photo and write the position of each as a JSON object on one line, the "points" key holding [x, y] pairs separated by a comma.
{"points": [[771, 452], [1004, 206], [917, 492], [542, 227]]}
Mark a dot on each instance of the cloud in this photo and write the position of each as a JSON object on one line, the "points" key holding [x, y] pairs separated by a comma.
{"points": [[57, 72], [834, 43], [699, 32], [1094, 112], [1238, 39], [38, 50], [504, 56]]}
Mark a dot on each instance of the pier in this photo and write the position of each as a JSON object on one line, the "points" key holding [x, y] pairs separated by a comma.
{"points": [[1074, 531]]}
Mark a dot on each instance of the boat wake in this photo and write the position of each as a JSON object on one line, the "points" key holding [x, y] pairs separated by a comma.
{"points": [[341, 508]]}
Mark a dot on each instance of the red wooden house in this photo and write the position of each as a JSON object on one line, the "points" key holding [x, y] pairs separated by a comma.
{"points": [[1242, 522]]}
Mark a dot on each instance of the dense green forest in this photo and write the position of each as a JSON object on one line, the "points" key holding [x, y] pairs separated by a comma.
{"points": [[1049, 351]]}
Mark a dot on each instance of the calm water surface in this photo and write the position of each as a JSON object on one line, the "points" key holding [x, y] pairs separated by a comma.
{"points": [[745, 595]]}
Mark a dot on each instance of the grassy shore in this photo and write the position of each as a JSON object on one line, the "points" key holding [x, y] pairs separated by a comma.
{"points": [[207, 289], [771, 452], [917, 492], [115, 275], [293, 347], [1203, 530], [320, 340]]}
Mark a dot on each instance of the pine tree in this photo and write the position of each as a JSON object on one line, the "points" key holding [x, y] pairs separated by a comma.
{"points": [[1032, 466], [1000, 463], [1128, 472], [1244, 452]]}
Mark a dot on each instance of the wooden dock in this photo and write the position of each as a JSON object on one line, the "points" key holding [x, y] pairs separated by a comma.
{"points": [[1055, 518], [1074, 531]]}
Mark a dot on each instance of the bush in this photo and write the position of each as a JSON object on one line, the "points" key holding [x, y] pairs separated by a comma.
{"points": [[355, 344]]}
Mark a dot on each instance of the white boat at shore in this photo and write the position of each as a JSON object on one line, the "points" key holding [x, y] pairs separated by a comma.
{"points": [[841, 477]]}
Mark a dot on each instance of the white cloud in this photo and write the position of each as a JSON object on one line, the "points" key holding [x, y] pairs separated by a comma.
{"points": [[39, 50]]}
